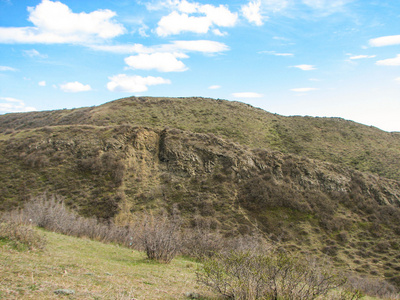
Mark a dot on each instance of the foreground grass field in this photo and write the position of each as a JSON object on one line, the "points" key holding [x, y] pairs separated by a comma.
{"points": [[93, 271]]}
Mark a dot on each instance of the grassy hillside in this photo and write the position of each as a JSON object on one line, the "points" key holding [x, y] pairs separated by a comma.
{"points": [[94, 271], [226, 165], [329, 139], [114, 172]]}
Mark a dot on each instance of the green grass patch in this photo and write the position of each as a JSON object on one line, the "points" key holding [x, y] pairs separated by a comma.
{"points": [[93, 271]]}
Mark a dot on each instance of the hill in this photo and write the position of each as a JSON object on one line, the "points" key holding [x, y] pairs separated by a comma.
{"points": [[335, 140], [227, 165]]}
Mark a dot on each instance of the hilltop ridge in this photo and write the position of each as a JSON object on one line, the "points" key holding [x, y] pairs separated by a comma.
{"points": [[335, 140]]}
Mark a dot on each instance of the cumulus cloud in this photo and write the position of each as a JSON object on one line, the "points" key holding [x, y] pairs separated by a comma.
{"points": [[252, 12], [390, 61], [42, 83], [162, 62], [7, 68], [385, 41], [305, 67], [206, 16], [303, 90], [247, 95], [54, 22], [133, 84], [75, 87], [214, 87], [175, 23], [8, 105], [220, 16]]}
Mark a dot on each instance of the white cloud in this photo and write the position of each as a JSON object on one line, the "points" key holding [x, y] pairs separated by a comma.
{"points": [[187, 7], [214, 87], [142, 30], [361, 56], [303, 90], [252, 12], [247, 95], [54, 22], [123, 49], [327, 6], [162, 62], [390, 61], [75, 87], [34, 53], [180, 20], [133, 84], [42, 83], [203, 46], [9, 105], [6, 68], [305, 67], [397, 79], [275, 5], [175, 23], [276, 53], [385, 41], [219, 32], [220, 16]]}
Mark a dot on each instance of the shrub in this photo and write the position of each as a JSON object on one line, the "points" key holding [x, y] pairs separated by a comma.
{"points": [[49, 212], [22, 236], [269, 275], [371, 286], [162, 236]]}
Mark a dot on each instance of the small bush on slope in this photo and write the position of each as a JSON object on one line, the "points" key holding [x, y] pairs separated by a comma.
{"points": [[270, 275], [21, 236], [161, 238]]}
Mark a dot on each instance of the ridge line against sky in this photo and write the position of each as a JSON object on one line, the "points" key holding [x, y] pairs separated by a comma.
{"points": [[335, 58]]}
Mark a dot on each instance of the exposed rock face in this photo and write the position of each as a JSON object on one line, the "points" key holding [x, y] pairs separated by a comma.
{"points": [[146, 153]]}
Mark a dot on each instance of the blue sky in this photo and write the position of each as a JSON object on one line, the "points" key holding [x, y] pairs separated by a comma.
{"points": [[335, 58]]}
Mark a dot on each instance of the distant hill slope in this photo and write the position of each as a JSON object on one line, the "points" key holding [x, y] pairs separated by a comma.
{"points": [[335, 140]]}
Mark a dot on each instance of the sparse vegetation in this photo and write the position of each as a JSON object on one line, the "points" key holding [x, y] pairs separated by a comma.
{"points": [[269, 275], [161, 236], [243, 267], [21, 236]]}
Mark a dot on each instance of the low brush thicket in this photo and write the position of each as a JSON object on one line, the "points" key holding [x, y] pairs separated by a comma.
{"points": [[245, 267], [21, 236], [270, 274]]}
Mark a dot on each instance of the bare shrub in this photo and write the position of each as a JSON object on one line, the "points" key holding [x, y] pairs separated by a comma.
{"points": [[201, 241], [373, 287], [270, 275], [22, 236], [162, 237], [50, 212]]}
